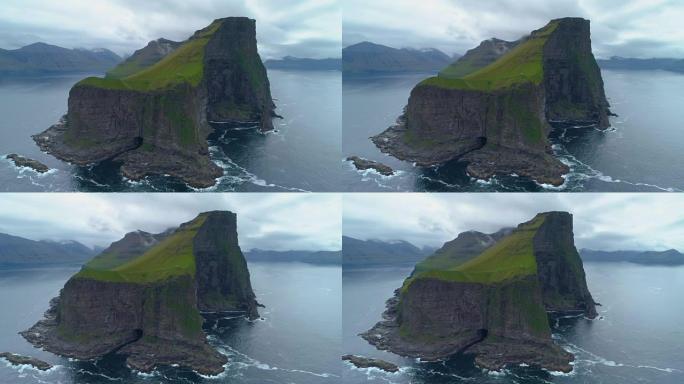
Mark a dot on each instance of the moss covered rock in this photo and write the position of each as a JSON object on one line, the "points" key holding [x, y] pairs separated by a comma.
{"points": [[152, 112], [492, 107], [489, 295], [142, 297]]}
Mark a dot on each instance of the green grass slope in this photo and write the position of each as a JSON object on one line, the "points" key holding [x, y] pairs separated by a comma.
{"points": [[171, 257], [509, 258], [184, 65], [522, 64]]}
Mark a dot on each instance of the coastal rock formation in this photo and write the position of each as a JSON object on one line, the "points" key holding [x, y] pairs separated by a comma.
{"points": [[142, 298], [492, 107], [152, 113], [15, 359], [21, 161], [365, 362], [364, 164], [489, 295]]}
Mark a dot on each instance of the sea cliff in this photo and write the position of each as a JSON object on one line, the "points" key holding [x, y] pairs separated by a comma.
{"points": [[489, 295], [152, 113], [143, 298], [492, 107]]}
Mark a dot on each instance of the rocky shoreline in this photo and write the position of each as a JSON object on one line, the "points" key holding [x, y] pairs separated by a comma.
{"points": [[365, 362], [15, 359], [21, 161], [364, 164]]}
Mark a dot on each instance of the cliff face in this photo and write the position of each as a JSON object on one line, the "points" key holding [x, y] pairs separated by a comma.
{"points": [[223, 282], [572, 79], [148, 306], [236, 82], [491, 108], [489, 295], [152, 112]]}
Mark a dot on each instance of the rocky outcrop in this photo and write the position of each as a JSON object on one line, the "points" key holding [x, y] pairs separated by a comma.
{"points": [[493, 112], [153, 116], [365, 362], [15, 359], [21, 161], [489, 295], [148, 306], [365, 164], [143, 58]]}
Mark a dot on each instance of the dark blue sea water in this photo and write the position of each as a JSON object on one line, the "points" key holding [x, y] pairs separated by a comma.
{"points": [[643, 150], [638, 337], [298, 340], [301, 155]]}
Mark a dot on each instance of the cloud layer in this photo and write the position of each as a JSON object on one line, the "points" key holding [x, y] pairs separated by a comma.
{"points": [[305, 28], [266, 221], [601, 221], [631, 28]]}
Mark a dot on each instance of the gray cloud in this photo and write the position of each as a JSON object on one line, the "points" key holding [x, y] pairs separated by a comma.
{"points": [[266, 221], [309, 28], [601, 221], [634, 28]]}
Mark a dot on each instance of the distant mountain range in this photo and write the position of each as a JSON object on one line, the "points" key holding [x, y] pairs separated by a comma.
{"points": [[368, 57], [46, 59], [18, 252], [666, 64], [669, 257], [309, 257], [304, 64], [376, 253]]}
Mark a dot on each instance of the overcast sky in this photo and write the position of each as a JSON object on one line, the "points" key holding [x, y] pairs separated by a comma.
{"points": [[611, 221], [304, 28], [631, 28], [265, 221]]}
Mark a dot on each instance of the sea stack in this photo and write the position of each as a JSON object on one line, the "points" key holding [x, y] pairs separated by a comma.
{"points": [[152, 113], [493, 107], [490, 295], [142, 297]]}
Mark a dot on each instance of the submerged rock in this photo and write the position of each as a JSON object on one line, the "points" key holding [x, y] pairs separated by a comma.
{"points": [[142, 298], [152, 113], [492, 107], [21, 161], [364, 164], [365, 362], [15, 359], [488, 295]]}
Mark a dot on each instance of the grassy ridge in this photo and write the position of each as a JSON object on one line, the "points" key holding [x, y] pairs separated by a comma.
{"points": [[511, 257], [184, 65], [172, 256], [522, 64]]}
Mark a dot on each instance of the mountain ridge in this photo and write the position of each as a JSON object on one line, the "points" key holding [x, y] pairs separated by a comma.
{"points": [[367, 57], [46, 59]]}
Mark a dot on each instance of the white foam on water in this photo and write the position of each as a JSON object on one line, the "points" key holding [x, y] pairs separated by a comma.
{"points": [[83, 371], [594, 359], [227, 164], [580, 171], [249, 362]]}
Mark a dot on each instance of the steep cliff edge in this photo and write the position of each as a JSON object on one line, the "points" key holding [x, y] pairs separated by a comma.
{"points": [[492, 107], [489, 295], [142, 297], [152, 112]]}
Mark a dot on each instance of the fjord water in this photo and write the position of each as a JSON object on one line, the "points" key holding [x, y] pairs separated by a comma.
{"points": [[300, 155], [637, 337], [642, 151], [298, 340]]}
